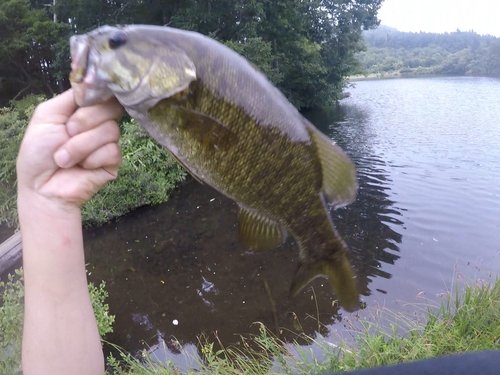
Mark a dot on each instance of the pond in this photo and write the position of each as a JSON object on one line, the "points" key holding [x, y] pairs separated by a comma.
{"points": [[427, 152]]}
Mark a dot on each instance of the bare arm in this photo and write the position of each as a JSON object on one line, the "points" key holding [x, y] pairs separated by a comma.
{"points": [[60, 333]]}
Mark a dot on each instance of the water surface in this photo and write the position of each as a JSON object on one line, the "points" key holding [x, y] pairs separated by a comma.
{"points": [[428, 161]]}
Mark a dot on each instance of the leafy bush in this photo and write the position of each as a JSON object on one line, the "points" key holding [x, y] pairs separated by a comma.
{"points": [[147, 175], [11, 319], [13, 123], [101, 310], [11, 323], [259, 52]]}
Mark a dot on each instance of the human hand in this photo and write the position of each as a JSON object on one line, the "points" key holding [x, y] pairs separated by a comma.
{"points": [[69, 153]]}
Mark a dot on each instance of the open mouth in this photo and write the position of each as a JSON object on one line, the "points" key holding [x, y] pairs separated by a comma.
{"points": [[89, 88], [80, 47]]}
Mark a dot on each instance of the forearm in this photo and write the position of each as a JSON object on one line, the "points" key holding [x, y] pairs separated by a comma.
{"points": [[60, 333]]}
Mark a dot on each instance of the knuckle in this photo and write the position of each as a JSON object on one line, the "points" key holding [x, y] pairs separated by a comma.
{"points": [[112, 129], [79, 120], [116, 151]]}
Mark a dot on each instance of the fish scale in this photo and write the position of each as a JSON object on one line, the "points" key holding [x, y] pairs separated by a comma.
{"points": [[230, 128]]}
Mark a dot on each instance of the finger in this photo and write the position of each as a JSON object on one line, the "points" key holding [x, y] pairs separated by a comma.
{"points": [[87, 118], [56, 110], [108, 157], [81, 146]]}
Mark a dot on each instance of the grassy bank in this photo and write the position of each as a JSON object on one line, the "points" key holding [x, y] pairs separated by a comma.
{"points": [[392, 74], [147, 175], [468, 319]]}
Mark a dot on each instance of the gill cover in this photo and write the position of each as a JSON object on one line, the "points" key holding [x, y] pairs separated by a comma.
{"points": [[116, 61]]}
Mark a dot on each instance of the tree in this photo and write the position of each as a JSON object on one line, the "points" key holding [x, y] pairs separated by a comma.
{"points": [[306, 47], [28, 35]]}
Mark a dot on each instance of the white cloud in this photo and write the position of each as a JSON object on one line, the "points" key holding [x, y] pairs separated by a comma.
{"points": [[482, 16]]}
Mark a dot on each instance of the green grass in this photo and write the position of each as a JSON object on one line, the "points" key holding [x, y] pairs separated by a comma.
{"points": [[467, 319], [463, 322]]}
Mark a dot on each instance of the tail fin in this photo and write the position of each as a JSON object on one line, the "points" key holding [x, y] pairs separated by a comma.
{"points": [[338, 270]]}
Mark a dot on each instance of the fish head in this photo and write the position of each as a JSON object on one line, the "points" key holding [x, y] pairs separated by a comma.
{"points": [[138, 67]]}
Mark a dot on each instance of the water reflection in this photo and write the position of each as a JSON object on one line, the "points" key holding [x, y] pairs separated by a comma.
{"points": [[372, 225], [182, 262]]}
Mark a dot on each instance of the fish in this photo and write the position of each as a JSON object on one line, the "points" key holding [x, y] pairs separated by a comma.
{"points": [[230, 128]]}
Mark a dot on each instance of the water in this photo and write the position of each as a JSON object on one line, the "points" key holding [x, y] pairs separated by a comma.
{"points": [[428, 209]]}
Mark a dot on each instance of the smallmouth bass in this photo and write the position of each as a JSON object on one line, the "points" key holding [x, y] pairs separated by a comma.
{"points": [[229, 127]]}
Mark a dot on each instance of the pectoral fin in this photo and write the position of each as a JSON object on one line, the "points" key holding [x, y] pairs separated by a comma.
{"points": [[339, 174], [339, 273], [257, 232], [207, 132]]}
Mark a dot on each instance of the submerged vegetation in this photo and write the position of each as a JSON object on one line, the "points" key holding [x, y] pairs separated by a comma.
{"points": [[467, 319], [391, 52]]}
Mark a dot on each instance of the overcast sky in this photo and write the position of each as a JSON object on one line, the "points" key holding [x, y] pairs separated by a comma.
{"points": [[439, 16]]}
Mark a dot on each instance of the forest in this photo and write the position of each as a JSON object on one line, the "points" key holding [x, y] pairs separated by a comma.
{"points": [[391, 52], [306, 47]]}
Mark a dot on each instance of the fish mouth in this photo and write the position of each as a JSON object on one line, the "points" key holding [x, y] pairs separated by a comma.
{"points": [[88, 89], [80, 47]]}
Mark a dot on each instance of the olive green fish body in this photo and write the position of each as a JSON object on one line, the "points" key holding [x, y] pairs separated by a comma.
{"points": [[230, 128]]}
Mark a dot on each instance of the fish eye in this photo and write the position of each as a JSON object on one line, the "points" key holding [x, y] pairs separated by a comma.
{"points": [[117, 40]]}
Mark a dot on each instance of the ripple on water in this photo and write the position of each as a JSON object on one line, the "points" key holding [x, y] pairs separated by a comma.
{"points": [[427, 159]]}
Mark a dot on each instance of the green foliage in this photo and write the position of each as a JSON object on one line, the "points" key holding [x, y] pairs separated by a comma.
{"points": [[259, 53], [391, 52], [11, 319], [28, 36], [11, 322], [98, 297], [13, 123], [147, 175], [305, 47]]}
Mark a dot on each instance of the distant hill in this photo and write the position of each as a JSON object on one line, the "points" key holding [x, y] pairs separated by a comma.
{"points": [[392, 52]]}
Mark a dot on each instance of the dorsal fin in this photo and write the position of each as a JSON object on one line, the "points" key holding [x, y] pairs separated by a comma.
{"points": [[339, 174], [257, 232]]}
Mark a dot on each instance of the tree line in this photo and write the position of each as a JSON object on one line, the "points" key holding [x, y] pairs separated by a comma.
{"points": [[306, 47], [391, 51]]}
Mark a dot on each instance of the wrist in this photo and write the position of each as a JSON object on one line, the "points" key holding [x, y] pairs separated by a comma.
{"points": [[33, 204]]}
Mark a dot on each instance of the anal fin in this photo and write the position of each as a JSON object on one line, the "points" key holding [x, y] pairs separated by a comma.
{"points": [[257, 232]]}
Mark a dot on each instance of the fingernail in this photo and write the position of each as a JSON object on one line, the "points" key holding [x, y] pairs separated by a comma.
{"points": [[71, 128], [62, 158]]}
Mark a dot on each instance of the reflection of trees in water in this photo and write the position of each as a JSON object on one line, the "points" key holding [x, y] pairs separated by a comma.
{"points": [[366, 224], [183, 261]]}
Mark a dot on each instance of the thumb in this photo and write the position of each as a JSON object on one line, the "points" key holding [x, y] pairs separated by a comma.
{"points": [[56, 110]]}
